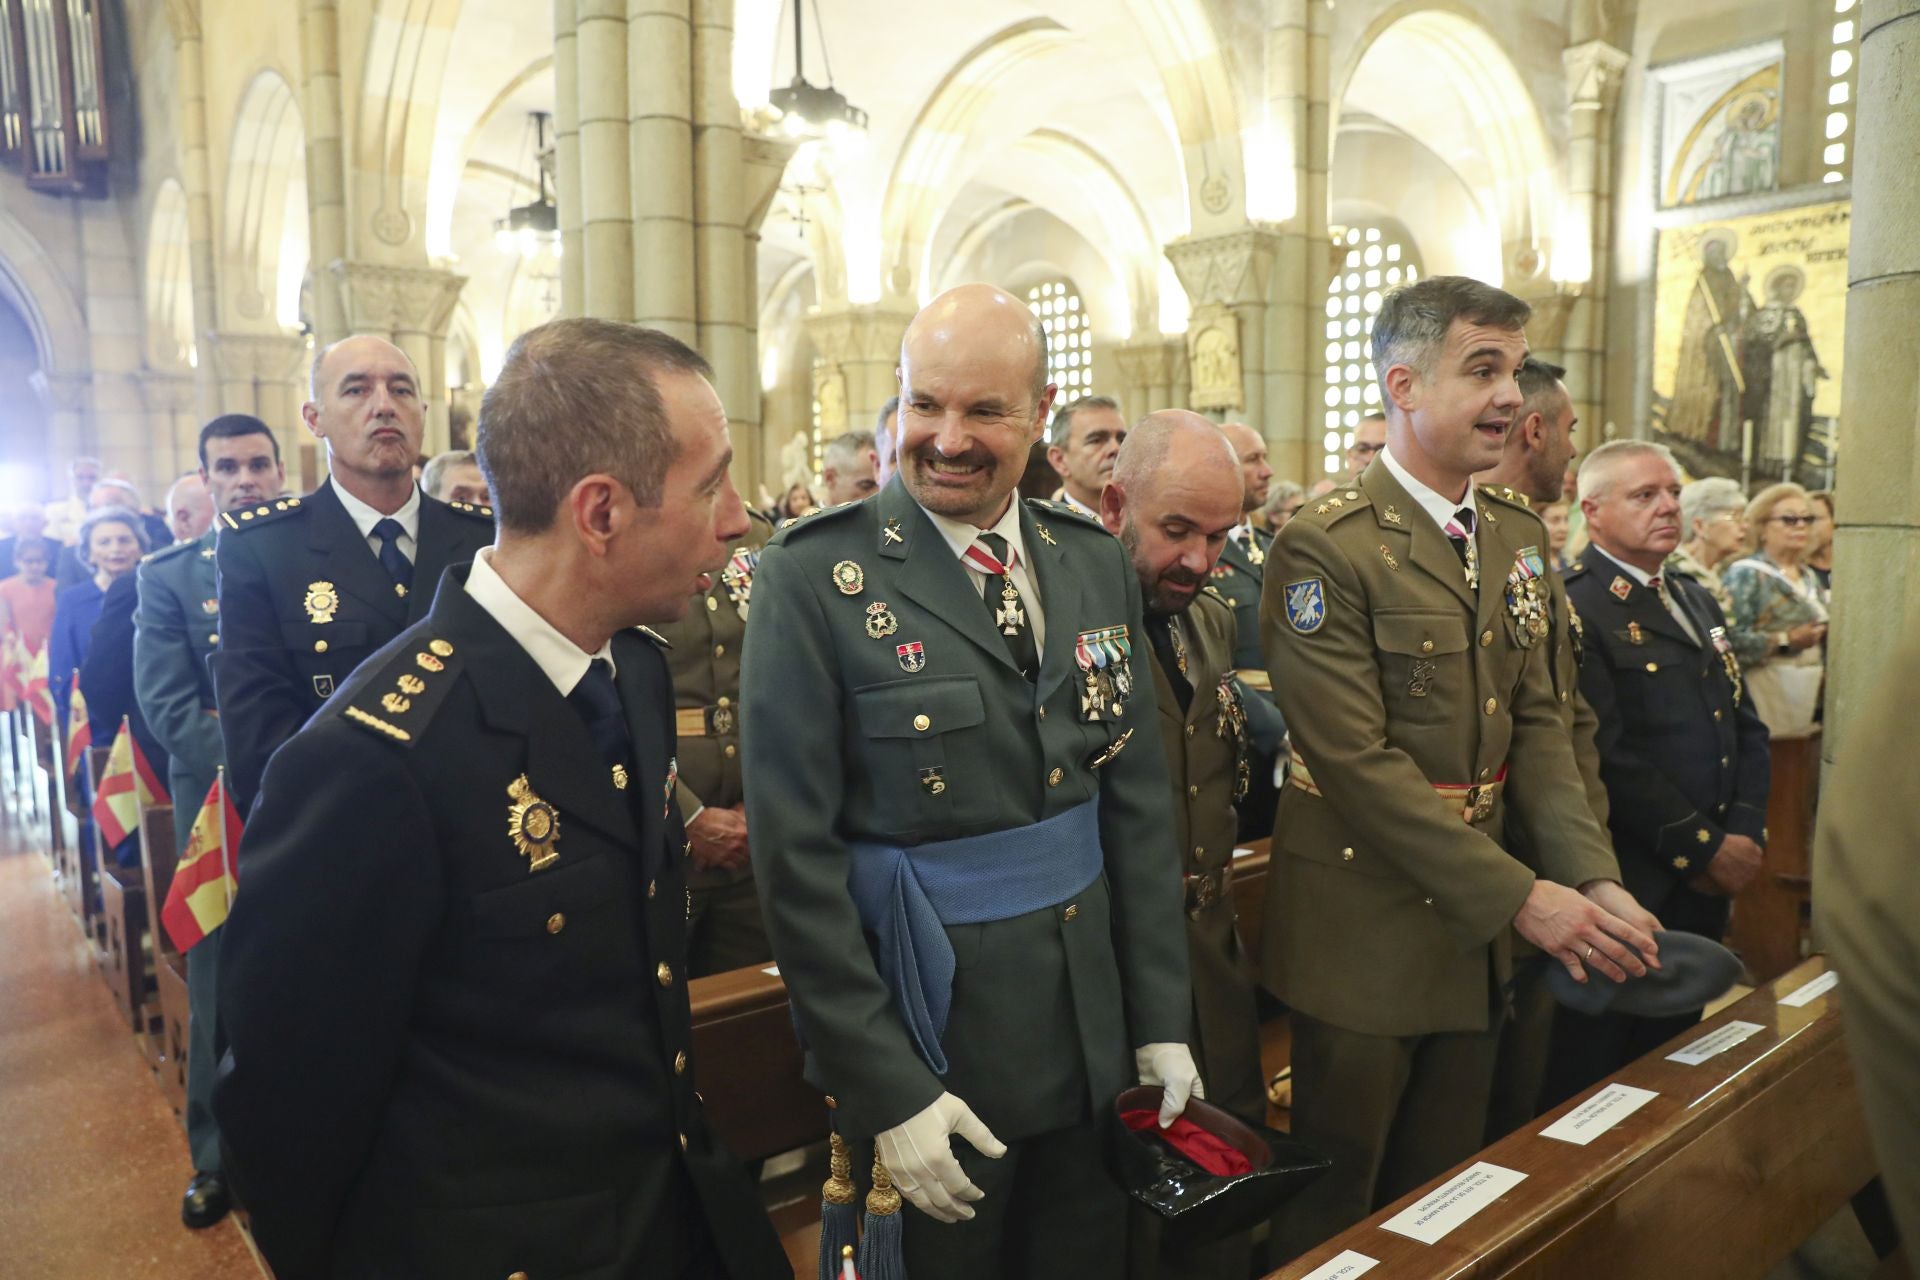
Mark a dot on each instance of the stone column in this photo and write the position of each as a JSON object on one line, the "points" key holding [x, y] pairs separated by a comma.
{"points": [[1231, 280], [1295, 360], [606, 213], [1876, 585], [410, 306], [170, 400], [1154, 371], [763, 163], [260, 374], [326, 164], [723, 302], [862, 345], [662, 75], [1594, 71], [197, 183], [67, 399], [566, 156]]}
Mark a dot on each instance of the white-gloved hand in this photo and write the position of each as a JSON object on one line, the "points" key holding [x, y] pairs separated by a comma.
{"points": [[1170, 1066], [920, 1159]]}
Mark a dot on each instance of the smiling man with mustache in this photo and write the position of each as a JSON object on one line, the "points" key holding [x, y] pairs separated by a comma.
{"points": [[1404, 620]]}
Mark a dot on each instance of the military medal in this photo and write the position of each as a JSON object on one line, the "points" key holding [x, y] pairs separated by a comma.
{"points": [[533, 825], [850, 578], [1527, 598], [738, 579], [1621, 588], [1230, 725], [1634, 634], [322, 601], [1105, 658], [892, 531], [1179, 646], [1255, 555], [1009, 617], [1724, 647], [880, 621], [913, 656], [673, 780]]}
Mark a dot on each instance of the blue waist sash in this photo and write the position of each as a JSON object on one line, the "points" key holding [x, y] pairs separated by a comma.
{"points": [[907, 897]]}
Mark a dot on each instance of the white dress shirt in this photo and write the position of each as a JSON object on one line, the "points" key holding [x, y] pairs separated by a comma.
{"points": [[563, 661], [1436, 504], [1078, 505], [365, 517], [960, 536]]}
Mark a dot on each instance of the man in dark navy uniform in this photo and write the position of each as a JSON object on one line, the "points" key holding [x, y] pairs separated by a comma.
{"points": [[1682, 752], [313, 585], [1238, 578], [454, 983]]}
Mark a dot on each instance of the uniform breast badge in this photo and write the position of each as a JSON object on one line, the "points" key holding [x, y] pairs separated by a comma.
{"points": [[1045, 536], [1306, 602], [1230, 726], [1724, 647], [533, 825], [1527, 596], [891, 532], [1635, 635], [322, 601], [209, 607], [934, 781], [1111, 750], [913, 656], [1621, 588], [880, 621], [619, 777], [1421, 680], [1392, 516], [1105, 658], [1387, 555], [737, 577], [850, 578]]}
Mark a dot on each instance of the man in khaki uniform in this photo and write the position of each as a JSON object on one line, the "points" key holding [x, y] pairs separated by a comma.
{"points": [[1533, 470], [1173, 499], [724, 928], [1404, 622]]}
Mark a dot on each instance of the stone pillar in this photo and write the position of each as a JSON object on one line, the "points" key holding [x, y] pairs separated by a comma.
{"points": [[1303, 257], [861, 344], [171, 417], [1876, 585], [662, 72], [67, 399], [566, 156], [1154, 374], [196, 181], [260, 374], [411, 307], [1231, 280], [1594, 71], [763, 163], [606, 213], [724, 302], [326, 164]]}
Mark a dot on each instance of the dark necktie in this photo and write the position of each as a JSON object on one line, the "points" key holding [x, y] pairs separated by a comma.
{"points": [[598, 702], [990, 556], [392, 559], [1173, 657]]}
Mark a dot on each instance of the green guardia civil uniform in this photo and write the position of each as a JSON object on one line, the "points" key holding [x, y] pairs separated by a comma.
{"points": [[724, 929], [1426, 725], [883, 707]]}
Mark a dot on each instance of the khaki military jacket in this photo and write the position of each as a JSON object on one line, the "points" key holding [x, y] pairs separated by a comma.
{"points": [[1390, 902], [1207, 754], [705, 664]]}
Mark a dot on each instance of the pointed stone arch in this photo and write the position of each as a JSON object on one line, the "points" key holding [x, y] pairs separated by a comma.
{"points": [[168, 282], [264, 239]]}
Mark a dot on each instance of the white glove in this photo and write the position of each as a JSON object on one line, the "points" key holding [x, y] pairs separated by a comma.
{"points": [[920, 1158], [1169, 1065]]}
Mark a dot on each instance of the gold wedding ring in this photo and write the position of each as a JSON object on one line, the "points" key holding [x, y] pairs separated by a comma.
{"points": [[1589, 954]]}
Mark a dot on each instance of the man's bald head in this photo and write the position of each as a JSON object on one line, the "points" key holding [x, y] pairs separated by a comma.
{"points": [[369, 407], [990, 320], [332, 361], [1175, 494]]}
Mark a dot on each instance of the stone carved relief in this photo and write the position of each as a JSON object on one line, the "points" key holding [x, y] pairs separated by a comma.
{"points": [[1213, 353], [398, 299]]}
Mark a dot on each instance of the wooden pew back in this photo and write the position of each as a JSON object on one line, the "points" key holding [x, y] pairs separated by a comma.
{"points": [[1736, 1162]]}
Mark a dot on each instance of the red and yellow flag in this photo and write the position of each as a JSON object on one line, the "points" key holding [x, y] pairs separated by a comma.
{"points": [[39, 692], [79, 731], [128, 786], [204, 882], [14, 668]]}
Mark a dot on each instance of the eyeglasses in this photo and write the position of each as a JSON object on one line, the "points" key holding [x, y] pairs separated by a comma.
{"points": [[1794, 520]]}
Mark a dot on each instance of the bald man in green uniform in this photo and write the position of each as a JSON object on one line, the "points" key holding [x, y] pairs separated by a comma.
{"points": [[958, 802], [1405, 621]]}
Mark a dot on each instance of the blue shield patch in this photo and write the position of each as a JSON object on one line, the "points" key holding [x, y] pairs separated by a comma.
{"points": [[1306, 605]]}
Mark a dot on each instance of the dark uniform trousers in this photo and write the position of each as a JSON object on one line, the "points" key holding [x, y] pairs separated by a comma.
{"points": [[891, 709], [1427, 726], [303, 601], [1685, 761], [724, 928], [454, 986]]}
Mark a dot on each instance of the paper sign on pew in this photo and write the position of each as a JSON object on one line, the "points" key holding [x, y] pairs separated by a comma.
{"points": [[1430, 1219], [1598, 1114], [1344, 1267], [1714, 1043], [1812, 991]]}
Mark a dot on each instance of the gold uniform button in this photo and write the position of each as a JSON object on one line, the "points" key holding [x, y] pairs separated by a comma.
{"points": [[1486, 638], [1493, 705], [712, 604], [1564, 695], [1485, 773], [556, 922], [1353, 495], [683, 1142], [1717, 717], [680, 1063], [1199, 852], [1190, 731], [1073, 909], [1055, 778], [922, 723], [1042, 713], [1193, 793], [518, 1275], [1346, 855], [1723, 762], [724, 702], [319, 646], [731, 751], [1653, 668], [214, 638], [1426, 646], [664, 974], [653, 887]]}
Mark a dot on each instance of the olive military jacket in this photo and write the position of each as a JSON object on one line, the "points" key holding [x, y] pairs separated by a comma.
{"points": [[1207, 753], [882, 705], [705, 663], [1389, 907], [176, 631], [1238, 577]]}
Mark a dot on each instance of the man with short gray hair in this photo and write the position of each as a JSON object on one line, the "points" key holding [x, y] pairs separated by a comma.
{"points": [[847, 468], [1713, 533], [454, 476], [1082, 444], [455, 987]]}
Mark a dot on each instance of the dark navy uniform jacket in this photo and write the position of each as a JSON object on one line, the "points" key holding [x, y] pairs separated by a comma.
{"points": [[1682, 752]]}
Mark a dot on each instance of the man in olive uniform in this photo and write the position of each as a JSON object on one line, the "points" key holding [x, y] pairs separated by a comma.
{"points": [[314, 585], [1238, 577], [724, 929], [1532, 469], [454, 983], [952, 746], [1404, 621], [176, 629], [1174, 497]]}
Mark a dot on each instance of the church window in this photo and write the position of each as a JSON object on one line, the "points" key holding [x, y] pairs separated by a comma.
{"points": [[1376, 261], [1069, 337]]}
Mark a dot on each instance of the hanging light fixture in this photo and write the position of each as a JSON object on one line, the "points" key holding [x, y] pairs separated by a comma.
{"points": [[530, 227], [809, 111]]}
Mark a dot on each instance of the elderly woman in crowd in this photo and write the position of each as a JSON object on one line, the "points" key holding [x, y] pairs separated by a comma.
{"points": [[1283, 503], [1820, 542], [1779, 619], [1713, 522], [1554, 515], [111, 542]]}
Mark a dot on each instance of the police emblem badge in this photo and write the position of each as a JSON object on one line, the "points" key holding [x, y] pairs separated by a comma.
{"points": [[1306, 603], [322, 601], [913, 656], [532, 824]]}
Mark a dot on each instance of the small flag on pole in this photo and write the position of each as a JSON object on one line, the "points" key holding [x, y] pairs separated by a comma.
{"points": [[205, 880], [79, 732], [128, 786], [39, 692]]}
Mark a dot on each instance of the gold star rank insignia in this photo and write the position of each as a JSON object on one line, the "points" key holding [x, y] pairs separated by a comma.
{"points": [[532, 824]]}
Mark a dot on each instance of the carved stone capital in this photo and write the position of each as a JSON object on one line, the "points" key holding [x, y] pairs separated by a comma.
{"points": [[61, 392], [1594, 72], [1229, 269], [255, 357], [183, 20], [765, 160], [858, 335], [389, 299], [1152, 362], [167, 391]]}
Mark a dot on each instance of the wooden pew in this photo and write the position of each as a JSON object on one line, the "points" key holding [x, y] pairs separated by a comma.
{"points": [[1736, 1162], [82, 884], [1770, 921], [157, 862]]}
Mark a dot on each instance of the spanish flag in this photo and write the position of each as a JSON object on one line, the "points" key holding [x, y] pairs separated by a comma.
{"points": [[204, 882], [128, 786], [39, 693], [14, 668], [79, 731]]}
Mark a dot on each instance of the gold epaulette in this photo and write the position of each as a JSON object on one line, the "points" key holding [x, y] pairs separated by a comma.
{"points": [[266, 512], [398, 702], [1512, 497], [474, 510]]}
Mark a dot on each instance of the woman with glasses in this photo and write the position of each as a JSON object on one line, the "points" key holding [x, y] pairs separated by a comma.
{"points": [[1713, 520], [1779, 619]]}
